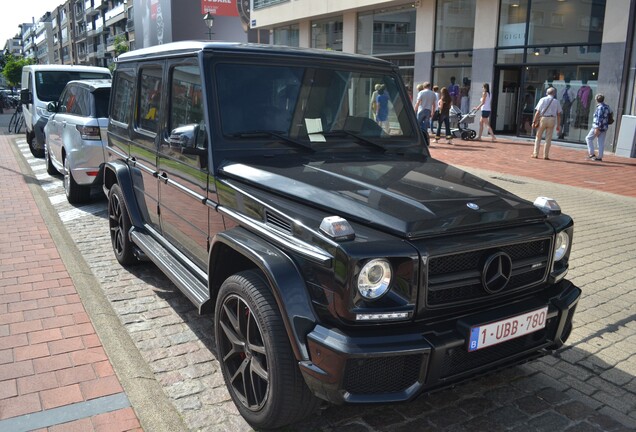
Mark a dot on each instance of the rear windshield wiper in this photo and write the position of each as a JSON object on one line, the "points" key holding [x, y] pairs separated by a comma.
{"points": [[360, 138], [276, 134]]}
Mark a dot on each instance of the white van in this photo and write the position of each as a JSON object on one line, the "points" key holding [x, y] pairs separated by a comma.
{"points": [[42, 84]]}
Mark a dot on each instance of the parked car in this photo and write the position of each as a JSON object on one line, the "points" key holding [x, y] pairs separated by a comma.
{"points": [[75, 135], [342, 261], [42, 84]]}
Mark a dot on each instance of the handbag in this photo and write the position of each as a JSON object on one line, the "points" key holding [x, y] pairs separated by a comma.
{"points": [[610, 118], [436, 115], [535, 124]]}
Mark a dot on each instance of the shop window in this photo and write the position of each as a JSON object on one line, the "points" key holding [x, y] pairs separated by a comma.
{"points": [[327, 34]]}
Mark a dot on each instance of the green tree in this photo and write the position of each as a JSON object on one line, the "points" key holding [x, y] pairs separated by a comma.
{"points": [[121, 46], [12, 70]]}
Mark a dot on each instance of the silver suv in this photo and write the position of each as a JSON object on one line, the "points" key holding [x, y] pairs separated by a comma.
{"points": [[75, 135]]}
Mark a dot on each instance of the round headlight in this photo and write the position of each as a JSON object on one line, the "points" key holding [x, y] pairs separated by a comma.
{"points": [[374, 279], [561, 246]]}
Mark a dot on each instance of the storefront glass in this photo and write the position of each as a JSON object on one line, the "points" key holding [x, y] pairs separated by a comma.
{"points": [[554, 44], [454, 37], [327, 34], [287, 35], [390, 34]]}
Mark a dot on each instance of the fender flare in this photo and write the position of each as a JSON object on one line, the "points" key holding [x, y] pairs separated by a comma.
{"points": [[283, 277], [121, 172]]}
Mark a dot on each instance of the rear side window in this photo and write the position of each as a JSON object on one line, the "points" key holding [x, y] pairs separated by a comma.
{"points": [[149, 98], [101, 98], [123, 96]]}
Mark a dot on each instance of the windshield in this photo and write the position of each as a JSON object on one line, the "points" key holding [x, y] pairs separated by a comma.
{"points": [[49, 84], [309, 103]]}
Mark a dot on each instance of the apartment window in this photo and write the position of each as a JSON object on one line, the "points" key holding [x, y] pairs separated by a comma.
{"points": [[260, 4]]}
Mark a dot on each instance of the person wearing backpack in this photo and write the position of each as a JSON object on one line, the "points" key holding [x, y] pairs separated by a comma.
{"points": [[603, 117]]}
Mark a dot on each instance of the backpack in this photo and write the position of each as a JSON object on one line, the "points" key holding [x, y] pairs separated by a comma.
{"points": [[610, 118]]}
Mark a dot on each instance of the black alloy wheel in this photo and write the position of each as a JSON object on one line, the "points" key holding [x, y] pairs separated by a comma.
{"points": [[119, 225], [256, 358]]}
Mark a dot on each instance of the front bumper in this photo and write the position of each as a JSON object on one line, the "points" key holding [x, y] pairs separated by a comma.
{"points": [[396, 365]]}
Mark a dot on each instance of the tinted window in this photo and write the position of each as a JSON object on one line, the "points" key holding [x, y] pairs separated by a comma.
{"points": [[101, 97], [49, 84], [123, 96], [149, 98]]}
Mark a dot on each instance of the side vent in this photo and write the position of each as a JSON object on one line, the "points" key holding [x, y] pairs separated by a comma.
{"points": [[278, 222]]}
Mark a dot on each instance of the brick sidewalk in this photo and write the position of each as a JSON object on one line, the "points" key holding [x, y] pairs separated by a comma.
{"points": [[567, 165], [54, 372]]}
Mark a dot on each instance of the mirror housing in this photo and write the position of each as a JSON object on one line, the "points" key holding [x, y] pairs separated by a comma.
{"points": [[26, 97], [188, 139], [51, 107]]}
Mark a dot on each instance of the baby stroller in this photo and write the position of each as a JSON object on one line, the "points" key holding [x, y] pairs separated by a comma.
{"points": [[460, 121]]}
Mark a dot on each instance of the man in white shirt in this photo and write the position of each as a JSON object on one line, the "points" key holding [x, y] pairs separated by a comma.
{"points": [[547, 115], [425, 106]]}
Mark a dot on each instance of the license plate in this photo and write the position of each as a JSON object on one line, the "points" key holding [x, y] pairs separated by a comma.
{"points": [[486, 335]]}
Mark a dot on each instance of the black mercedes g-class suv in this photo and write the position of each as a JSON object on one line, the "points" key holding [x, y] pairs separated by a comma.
{"points": [[341, 261]]}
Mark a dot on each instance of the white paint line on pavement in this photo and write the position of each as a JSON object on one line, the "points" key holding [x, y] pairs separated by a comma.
{"points": [[77, 213], [57, 199]]}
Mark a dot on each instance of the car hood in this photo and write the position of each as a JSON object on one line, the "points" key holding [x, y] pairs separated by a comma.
{"points": [[410, 198]]}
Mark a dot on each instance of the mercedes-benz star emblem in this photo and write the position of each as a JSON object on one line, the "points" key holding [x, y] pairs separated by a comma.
{"points": [[472, 206], [496, 273]]}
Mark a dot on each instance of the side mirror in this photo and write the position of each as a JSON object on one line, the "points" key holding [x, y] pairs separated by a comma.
{"points": [[51, 107], [186, 138], [26, 97]]}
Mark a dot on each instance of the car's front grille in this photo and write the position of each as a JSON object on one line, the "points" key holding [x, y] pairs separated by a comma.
{"points": [[457, 278], [382, 374]]}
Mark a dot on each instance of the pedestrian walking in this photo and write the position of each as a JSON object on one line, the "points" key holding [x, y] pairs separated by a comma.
{"points": [[547, 114], [600, 125], [484, 121], [425, 105], [382, 109], [444, 106], [434, 117]]}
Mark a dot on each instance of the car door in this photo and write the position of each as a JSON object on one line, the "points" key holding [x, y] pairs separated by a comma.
{"points": [[145, 137], [54, 126], [183, 164]]}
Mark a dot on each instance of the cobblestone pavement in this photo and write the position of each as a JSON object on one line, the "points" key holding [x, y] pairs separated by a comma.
{"points": [[589, 385]]}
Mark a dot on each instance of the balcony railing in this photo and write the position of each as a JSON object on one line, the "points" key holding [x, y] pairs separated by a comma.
{"points": [[114, 12]]}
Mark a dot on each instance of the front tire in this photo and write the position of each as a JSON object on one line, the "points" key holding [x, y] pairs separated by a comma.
{"points": [[257, 361], [119, 224]]}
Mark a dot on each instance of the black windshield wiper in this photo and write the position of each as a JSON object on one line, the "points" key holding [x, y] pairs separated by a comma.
{"points": [[360, 138], [275, 134]]}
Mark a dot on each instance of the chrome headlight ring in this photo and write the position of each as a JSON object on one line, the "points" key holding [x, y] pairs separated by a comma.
{"points": [[374, 279], [562, 245]]}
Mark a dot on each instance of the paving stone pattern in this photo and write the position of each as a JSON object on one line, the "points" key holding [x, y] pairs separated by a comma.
{"points": [[588, 385]]}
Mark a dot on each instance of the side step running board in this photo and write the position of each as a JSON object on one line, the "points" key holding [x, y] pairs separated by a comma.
{"points": [[195, 289]]}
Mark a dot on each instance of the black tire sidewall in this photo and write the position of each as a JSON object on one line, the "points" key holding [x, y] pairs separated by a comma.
{"points": [[253, 290], [127, 256]]}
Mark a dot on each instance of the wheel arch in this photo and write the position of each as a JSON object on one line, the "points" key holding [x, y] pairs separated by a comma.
{"points": [[238, 249], [118, 172]]}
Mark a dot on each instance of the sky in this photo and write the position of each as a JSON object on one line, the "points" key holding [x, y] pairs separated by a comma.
{"points": [[16, 12]]}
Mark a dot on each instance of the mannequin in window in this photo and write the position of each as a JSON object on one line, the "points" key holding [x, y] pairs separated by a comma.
{"points": [[584, 102], [453, 90], [566, 103], [464, 91]]}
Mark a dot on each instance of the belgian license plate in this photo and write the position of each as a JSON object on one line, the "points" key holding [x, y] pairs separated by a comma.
{"points": [[486, 335]]}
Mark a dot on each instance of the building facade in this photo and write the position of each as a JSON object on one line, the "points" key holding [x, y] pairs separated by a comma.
{"points": [[520, 48]]}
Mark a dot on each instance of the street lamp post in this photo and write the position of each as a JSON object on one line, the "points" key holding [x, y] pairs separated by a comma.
{"points": [[209, 21]]}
